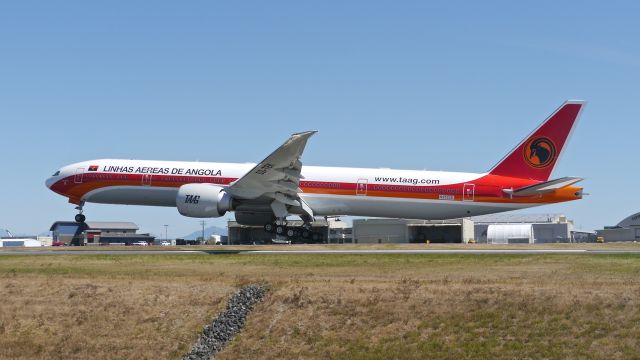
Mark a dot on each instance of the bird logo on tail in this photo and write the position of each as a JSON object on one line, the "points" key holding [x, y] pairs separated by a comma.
{"points": [[539, 152]]}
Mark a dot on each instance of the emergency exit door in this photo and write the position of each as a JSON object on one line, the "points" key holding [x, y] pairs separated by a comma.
{"points": [[361, 187], [146, 179], [78, 177], [468, 192]]}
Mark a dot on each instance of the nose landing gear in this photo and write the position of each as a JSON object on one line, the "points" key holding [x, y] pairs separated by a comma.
{"points": [[80, 218]]}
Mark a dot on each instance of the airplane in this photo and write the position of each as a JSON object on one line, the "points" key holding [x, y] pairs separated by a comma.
{"points": [[266, 193]]}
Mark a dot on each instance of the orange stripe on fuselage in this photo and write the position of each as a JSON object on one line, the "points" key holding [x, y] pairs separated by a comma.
{"points": [[565, 194], [487, 189]]}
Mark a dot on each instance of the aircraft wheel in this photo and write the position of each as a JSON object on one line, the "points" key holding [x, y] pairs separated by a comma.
{"points": [[80, 218], [269, 227], [291, 233], [306, 234], [281, 229]]}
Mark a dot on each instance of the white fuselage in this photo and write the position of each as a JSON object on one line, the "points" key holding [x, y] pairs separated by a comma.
{"points": [[327, 190]]}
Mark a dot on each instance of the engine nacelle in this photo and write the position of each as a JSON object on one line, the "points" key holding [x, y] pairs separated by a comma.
{"points": [[203, 201]]}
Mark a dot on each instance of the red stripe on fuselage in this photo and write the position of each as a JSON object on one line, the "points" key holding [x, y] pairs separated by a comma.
{"points": [[488, 188]]}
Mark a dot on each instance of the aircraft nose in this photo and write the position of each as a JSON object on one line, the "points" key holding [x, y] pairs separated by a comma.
{"points": [[49, 182]]}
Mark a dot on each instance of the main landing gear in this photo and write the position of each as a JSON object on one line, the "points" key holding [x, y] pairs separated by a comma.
{"points": [[281, 228], [80, 218], [278, 228]]}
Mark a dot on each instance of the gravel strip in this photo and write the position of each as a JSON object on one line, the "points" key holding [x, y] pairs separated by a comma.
{"points": [[223, 328]]}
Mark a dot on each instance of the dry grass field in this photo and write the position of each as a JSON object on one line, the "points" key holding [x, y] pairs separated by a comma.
{"points": [[387, 246], [324, 306]]}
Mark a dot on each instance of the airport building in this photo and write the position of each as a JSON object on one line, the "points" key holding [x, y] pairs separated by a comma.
{"points": [[19, 242], [97, 232], [339, 232], [8, 240], [509, 228], [25, 241], [502, 228], [378, 231], [626, 230]]}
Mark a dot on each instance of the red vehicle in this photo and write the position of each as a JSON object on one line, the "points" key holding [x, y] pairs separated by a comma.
{"points": [[57, 243]]}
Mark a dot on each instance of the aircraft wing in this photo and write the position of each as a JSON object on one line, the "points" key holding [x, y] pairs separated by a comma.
{"points": [[545, 187], [277, 177]]}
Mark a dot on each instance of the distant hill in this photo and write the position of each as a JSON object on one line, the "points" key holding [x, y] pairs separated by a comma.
{"points": [[213, 230]]}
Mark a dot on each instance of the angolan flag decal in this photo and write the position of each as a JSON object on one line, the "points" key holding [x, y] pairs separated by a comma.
{"points": [[93, 168]]}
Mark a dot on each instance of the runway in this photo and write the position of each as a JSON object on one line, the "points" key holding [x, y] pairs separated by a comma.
{"points": [[319, 252]]}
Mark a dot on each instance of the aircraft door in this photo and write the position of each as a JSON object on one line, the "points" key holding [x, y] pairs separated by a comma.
{"points": [[78, 177], [361, 187], [146, 179], [468, 192]]}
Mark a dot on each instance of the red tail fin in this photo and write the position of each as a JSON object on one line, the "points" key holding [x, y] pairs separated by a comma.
{"points": [[537, 155]]}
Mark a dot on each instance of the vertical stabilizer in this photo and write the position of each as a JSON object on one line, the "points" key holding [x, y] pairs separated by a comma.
{"points": [[536, 156]]}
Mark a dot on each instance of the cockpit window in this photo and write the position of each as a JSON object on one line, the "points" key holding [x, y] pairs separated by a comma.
{"points": [[56, 173]]}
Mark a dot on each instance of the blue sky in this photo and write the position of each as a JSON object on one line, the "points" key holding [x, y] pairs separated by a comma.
{"points": [[418, 85]]}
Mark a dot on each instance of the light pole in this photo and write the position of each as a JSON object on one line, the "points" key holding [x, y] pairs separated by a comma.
{"points": [[203, 224], [166, 237]]}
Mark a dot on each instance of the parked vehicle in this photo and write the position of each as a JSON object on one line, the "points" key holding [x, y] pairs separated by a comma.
{"points": [[279, 241]]}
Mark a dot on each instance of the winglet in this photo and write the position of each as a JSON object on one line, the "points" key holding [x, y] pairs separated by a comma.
{"points": [[537, 155], [305, 133], [278, 172]]}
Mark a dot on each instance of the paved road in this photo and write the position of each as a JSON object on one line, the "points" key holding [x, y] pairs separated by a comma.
{"points": [[324, 252], [437, 251], [95, 252]]}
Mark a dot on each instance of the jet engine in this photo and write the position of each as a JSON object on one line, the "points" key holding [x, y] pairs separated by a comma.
{"points": [[203, 201]]}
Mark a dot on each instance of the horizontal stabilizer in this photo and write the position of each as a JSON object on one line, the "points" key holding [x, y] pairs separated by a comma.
{"points": [[545, 187]]}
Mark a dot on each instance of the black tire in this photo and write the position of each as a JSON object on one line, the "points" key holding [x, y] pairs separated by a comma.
{"points": [[269, 227], [80, 218], [306, 234], [281, 230], [291, 233]]}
